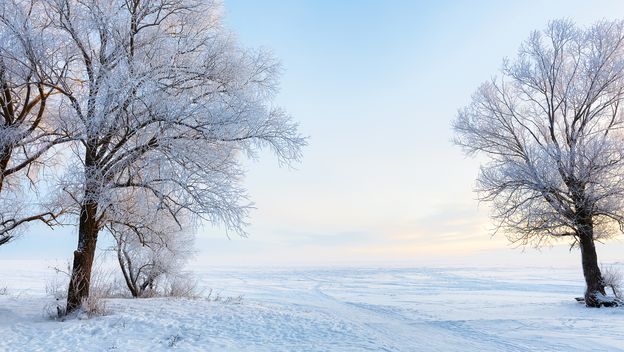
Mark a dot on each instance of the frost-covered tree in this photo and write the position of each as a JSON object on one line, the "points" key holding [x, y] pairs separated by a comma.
{"points": [[28, 128], [552, 131], [150, 244], [146, 260], [166, 102]]}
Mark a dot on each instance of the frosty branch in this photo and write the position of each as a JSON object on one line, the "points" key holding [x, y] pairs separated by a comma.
{"points": [[28, 131]]}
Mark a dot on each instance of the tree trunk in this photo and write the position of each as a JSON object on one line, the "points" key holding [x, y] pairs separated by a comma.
{"points": [[83, 256], [5, 157], [591, 270], [126, 264], [88, 229]]}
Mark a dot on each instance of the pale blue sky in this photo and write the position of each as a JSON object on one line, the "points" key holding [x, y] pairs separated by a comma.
{"points": [[375, 84]]}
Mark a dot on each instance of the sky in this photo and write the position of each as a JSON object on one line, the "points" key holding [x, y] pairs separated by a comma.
{"points": [[375, 85]]}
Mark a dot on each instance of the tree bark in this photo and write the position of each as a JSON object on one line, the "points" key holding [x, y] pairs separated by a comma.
{"points": [[5, 157], [124, 261], [88, 229], [83, 257], [591, 270]]}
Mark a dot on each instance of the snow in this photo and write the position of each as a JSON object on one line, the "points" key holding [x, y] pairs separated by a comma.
{"points": [[326, 309]]}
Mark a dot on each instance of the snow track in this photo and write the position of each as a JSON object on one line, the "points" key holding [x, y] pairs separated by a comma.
{"points": [[425, 309]]}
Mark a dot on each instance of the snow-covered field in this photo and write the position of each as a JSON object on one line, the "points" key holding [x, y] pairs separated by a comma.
{"points": [[350, 309]]}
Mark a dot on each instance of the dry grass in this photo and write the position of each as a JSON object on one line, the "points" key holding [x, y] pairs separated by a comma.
{"points": [[101, 288]]}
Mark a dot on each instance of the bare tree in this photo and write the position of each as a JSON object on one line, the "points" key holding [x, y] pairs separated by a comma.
{"points": [[552, 132], [28, 130], [166, 102]]}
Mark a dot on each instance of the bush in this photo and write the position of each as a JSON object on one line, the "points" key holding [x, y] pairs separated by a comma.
{"points": [[612, 277], [182, 285]]}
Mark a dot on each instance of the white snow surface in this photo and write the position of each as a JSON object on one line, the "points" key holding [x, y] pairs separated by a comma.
{"points": [[331, 309]]}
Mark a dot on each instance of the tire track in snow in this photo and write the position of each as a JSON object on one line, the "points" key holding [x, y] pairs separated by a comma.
{"points": [[394, 330]]}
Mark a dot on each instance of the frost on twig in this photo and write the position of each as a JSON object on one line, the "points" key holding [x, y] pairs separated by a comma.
{"points": [[612, 278], [30, 129]]}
